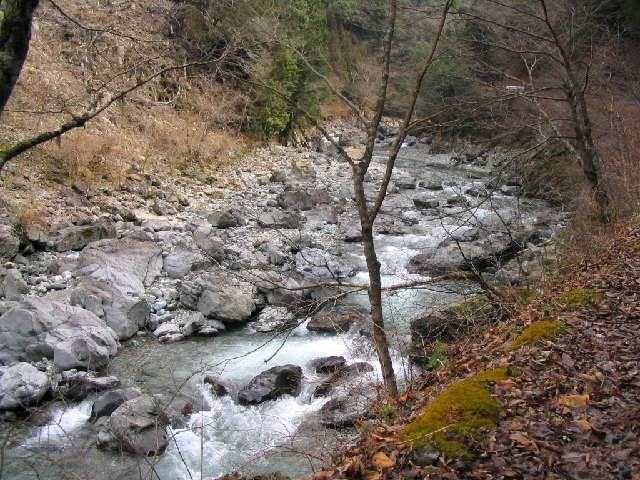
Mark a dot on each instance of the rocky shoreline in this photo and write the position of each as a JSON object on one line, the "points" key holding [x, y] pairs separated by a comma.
{"points": [[178, 259]]}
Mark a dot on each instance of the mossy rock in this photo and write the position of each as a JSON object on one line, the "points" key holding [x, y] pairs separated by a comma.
{"points": [[538, 331], [580, 297], [458, 416]]}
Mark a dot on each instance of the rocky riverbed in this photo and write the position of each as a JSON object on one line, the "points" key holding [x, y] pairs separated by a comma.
{"points": [[186, 321]]}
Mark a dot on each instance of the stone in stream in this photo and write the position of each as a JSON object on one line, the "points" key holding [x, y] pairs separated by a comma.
{"points": [[137, 426], [79, 385], [273, 318], [128, 265], [216, 387], [328, 364], [486, 253], [272, 384], [125, 314], [344, 412], [108, 402], [229, 304], [343, 379], [338, 319], [22, 385], [73, 337]]}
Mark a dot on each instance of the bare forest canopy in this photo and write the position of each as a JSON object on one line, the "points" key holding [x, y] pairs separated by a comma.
{"points": [[557, 76]]}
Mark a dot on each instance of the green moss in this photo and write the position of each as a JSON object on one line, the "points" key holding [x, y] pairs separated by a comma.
{"points": [[456, 417], [580, 297], [477, 304], [538, 331]]}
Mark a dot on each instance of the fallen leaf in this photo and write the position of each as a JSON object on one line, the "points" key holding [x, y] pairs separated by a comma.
{"points": [[574, 401], [372, 475], [584, 424], [381, 461]]}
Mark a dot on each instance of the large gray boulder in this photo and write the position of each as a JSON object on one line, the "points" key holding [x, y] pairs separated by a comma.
{"points": [[125, 314], [22, 385], [137, 426], [338, 319], [179, 263], [108, 402], [210, 244], [344, 412], [489, 252], [272, 384], [78, 237], [73, 337], [273, 318], [128, 265], [230, 305], [221, 297]]}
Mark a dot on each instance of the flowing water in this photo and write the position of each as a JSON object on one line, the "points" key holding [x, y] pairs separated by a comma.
{"points": [[222, 436]]}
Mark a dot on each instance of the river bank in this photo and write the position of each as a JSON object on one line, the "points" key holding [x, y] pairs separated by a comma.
{"points": [[162, 283]]}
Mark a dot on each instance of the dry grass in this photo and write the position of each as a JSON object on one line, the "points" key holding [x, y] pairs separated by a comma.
{"points": [[174, 125]]}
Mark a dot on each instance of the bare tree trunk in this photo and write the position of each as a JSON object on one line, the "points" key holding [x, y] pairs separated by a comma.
{"points": [[375, 284], [15, 35]]}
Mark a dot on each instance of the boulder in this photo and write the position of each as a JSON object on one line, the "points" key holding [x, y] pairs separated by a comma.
{"points": [[352, 232], [317, 264], [179, 263], [217, 388], [344, 412], [79, 385], [137, 426], [273, 318], [73, 337], [108, 402], [128, 265], [125, 314], [12, 286], [344, 379], [491, 251], [9, 241], [338, 319], [296, 200], [275, 218], [229, 218], [78, 237], [272, 384], [22, 385], [221, 298], [328, 364], [426, 201], [211, 245]]}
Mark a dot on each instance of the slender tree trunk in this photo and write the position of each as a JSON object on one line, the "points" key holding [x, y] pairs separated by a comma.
{"points": [[15, 35], [375, 283], [375, 298]]}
